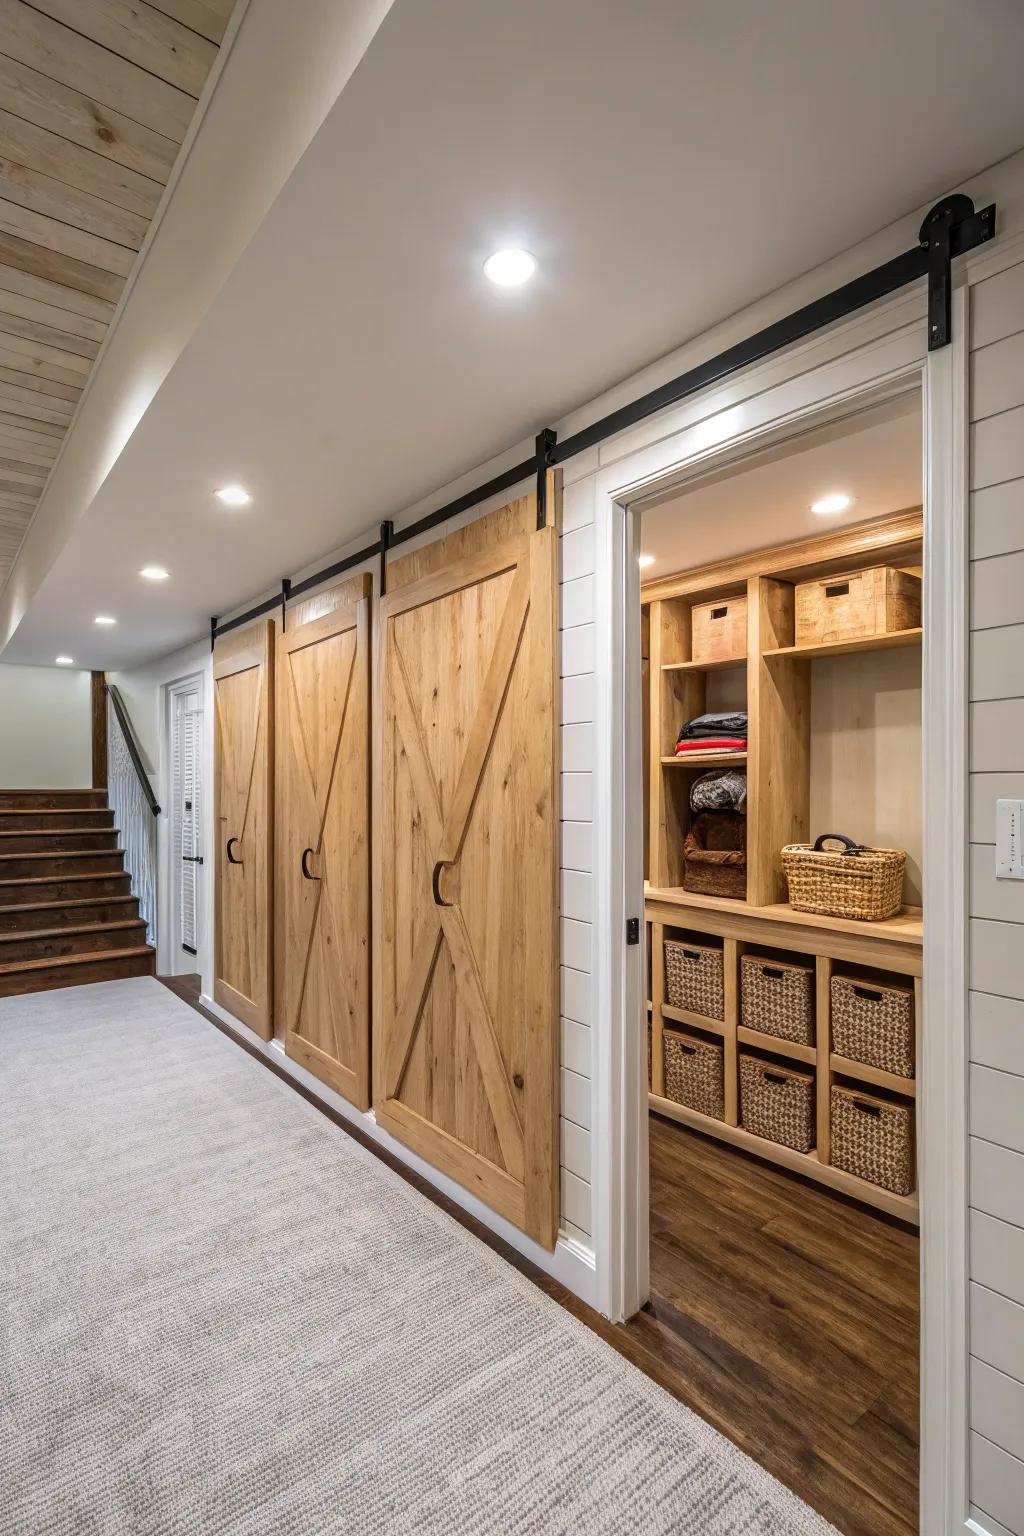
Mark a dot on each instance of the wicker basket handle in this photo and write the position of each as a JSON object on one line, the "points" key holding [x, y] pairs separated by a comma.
{"points": [[772, 972], [867, 1109], [869, 993], [691, 954], [773, 1077], [849, 846]]}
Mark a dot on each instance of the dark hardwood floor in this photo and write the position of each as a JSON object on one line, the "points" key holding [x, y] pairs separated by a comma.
{"points": [[781, 1313]]}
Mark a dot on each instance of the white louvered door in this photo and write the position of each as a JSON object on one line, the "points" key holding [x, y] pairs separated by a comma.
{"points": [[186, 777]]}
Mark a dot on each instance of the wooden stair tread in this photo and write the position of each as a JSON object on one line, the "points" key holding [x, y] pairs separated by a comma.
{"points": [[88, 957], [73, 930], [58, 832], [95, 874], [57, 853], [77, 901], [49, 810]]}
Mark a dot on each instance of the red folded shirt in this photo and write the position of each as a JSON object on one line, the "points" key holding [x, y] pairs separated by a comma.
{"points": [[713, 744]]}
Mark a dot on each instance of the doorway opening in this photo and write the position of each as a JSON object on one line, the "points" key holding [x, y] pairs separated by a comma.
{"points": [[781, 640], [185, 702]]}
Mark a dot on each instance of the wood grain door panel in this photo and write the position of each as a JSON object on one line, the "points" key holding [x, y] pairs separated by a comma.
{"points": [[465, 1033], [324, 872], [243, 791]]}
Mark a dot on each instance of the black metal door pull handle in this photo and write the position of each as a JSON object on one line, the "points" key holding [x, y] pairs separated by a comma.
{"points": [[435, 881], [230, 855], [305, 867]]}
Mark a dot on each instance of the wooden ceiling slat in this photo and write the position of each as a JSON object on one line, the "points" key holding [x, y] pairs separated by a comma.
{"points": [[15, 279], [37, 407], [45, 338], [36, 354], [207, 17], [11, 485], [55, 267], [16, 453], [59, 200], [30, 378], [68, 57], [48, 154], [13, 425], [17, 469], [65, 240], [142, 34], [71, 115], [45, 322], [17, 503]]}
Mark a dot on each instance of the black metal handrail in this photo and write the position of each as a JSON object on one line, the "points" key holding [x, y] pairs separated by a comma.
{"points": [[131, 742]]}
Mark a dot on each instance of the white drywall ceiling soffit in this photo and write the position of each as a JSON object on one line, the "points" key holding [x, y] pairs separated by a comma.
{"points": [[355, 359]]}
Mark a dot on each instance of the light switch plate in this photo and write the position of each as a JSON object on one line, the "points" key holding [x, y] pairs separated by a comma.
{"points": [[1010, 839]]}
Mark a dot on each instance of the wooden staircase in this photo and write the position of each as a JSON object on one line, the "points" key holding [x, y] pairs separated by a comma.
{"points": [[67, 915]]}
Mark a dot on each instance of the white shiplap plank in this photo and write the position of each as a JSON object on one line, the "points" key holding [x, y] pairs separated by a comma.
{"points": [[997, 736], [577, 797], [570, 1229], [997, 449], [578, 698], [986, 789], [577, 648], [997, 1407], [577, 554], [578, 748], [997, 1181], [578, 845], [984, 1523], [576, 1201], [997, 1330], [1000, 900], [574, 1141], [997, 659], [578, 501], [997, 1033], [997, 520], [997, 1107], [997, 958], [997, 591], [997, 1255], [997, 377], [577, 997], [997, 306], [578, 602], [576, 1097], [577, 895], [577, 945], [997, 1483], [576, 1047]]}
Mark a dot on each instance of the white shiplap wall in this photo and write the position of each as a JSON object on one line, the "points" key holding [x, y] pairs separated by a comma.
{"points": [[996, 907], [576, 623]]}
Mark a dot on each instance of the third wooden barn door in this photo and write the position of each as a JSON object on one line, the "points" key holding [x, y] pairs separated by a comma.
{"points": [[466, 991], [323, 831]]}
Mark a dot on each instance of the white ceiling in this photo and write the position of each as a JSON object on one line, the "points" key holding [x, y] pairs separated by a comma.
{"points": [[667, 161], [874, 457]]}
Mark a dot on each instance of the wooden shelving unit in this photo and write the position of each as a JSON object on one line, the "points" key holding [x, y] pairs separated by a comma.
{"points": [[775, 679]]}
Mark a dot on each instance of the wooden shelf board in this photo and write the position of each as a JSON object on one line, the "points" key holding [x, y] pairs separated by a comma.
{"points": [[791, 1048], [906, 928], [874, 1076], [701, 759], [896, 641], [703, 666], [806, 1163], [696, 1020]]}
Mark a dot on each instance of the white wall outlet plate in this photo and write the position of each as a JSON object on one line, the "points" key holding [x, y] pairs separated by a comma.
{"points": [[1010, 839]]}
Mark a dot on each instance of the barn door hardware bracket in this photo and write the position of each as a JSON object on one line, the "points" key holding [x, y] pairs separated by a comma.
{"points": [[286, 592], [632, 930], [545, 448], [949, 229], [387, 538]]}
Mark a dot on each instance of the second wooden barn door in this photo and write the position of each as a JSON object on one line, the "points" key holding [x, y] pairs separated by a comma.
{"points": [[323, 835], [243, 787], [466, 989]]}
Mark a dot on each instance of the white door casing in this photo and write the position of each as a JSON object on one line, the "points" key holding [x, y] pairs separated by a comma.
{"points": [[186, 815]]}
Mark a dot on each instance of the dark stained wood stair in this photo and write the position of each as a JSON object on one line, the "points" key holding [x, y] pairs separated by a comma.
{"points": [[67, 915]]}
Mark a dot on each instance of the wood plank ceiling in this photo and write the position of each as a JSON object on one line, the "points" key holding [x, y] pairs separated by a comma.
{"points": [[95, 99]]}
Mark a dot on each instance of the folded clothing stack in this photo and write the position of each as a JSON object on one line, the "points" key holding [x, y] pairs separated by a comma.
{"points": [[723, 732]]}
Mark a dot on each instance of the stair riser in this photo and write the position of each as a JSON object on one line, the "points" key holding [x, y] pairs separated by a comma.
{"points": [[77, 976], [86, 911], [52, 799], [14, 868], [100, 841], [52, 821], [73, 944], [93, 889]]}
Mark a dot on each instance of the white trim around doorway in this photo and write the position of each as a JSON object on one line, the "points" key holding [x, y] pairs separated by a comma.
{"points": [[879, 353]]}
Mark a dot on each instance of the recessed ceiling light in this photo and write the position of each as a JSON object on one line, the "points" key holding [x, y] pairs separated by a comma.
{"points": [[64, 661], [838, 502], [643, 561], [154, 573], [104, 618], [233, 495], [510, 268]]}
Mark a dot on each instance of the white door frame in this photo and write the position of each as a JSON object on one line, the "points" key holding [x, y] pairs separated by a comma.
{"points": [[172, 960], [883, 350]]}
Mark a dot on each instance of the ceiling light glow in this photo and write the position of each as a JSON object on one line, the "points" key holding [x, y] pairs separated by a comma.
{"points": [[64, 661], [643, 561], [154, 573], [510, 268], [104, 618], [838, 501], [233, 495]]}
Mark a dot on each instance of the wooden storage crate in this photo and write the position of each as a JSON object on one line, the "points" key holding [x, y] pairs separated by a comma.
{"points": [[719, 630], [857, 606]]}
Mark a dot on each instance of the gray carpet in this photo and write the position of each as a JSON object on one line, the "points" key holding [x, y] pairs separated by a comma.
{"points": [[222, 1315]]}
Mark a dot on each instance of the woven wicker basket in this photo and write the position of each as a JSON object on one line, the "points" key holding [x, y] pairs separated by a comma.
{"points": [[694, 1074], [695, 978], [777, 1103], [873, 1023], [865, 883], [874, 1139], [777, 998], [715, 855]]}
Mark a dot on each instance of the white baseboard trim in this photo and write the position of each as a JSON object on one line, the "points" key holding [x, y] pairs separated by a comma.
{"points": [[980, 1524], [571, 1264]]}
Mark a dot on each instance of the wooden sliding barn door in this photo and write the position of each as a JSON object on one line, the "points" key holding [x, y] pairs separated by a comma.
{"points": [[466, 984], [243, 812], [323, 829]]}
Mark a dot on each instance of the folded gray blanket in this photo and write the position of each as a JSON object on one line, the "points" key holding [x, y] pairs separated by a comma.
{"points": [[731, 723]]}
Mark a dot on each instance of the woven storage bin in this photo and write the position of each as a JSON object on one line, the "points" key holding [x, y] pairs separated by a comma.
{"points": [[873, 1023], [695, 978], [777, 1103], [777, 997], [874, 1139], [695, 1074], [715, 855], [866, 883]]}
